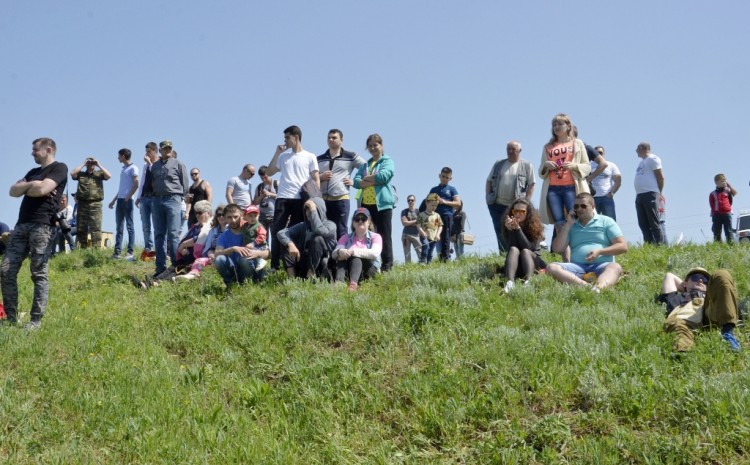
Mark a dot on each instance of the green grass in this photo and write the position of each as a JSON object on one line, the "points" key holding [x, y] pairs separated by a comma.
{"points": [[423, 365]]}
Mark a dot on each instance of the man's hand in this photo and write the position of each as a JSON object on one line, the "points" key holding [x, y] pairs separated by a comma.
{"points": [[572, 217], [293, 251], [112, 204], [348, 182], [326, 175], [592, 255]]}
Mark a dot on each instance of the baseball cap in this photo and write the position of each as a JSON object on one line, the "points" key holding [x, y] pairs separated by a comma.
{"points": [[698, 270], [433, 196], [252, 209], [165, 143], [361, 211]]}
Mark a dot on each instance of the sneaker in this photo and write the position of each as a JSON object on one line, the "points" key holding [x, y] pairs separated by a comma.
{"points": [[261, 263], [734, 344], [527, 283], [185, 277], [129, 257], [115, 256], [33, 326], [508, 287], [595, 289], [353, 287]]}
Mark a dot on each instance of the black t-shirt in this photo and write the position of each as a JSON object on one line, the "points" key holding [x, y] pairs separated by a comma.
{"points": [[43, 209]]}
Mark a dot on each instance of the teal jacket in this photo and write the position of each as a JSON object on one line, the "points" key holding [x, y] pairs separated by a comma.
{"points": [[384, 170]]}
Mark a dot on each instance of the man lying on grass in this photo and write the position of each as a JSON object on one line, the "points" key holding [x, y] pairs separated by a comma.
{"points": [[701, 300], [594, 241]]}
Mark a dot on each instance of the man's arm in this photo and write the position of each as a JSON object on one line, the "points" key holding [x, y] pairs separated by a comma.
{"points": [[672, 283], [315, 175], [76, 170], [228, 194], [659, 179], [41, 188], [455, 203], [105, 174], [209, 191], [272, 169], [530, 191], [601, 166], [616, 185], [133, 189]]}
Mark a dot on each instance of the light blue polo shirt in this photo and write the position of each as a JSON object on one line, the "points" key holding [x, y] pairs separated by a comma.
{"points": [[597, 234]]}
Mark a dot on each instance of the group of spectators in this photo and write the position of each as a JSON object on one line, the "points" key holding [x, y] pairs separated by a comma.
{"points": [[304, 217]]}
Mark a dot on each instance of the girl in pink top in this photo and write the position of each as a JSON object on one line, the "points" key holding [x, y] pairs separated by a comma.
{"points": [[358, 253]]}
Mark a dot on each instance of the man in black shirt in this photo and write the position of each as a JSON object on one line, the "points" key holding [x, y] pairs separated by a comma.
{"points": [[41, 189]]}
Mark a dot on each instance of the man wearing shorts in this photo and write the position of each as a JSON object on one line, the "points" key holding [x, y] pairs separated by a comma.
{"points": [[594, 241]]}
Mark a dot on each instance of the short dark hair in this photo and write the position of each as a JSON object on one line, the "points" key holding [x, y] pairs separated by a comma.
{"points": [[45, 142], [152, 146], [337, 131], [126, 153], [374, 137], [294, 131], [262, 170], [232, 207], [585, 196], [446, 170]]}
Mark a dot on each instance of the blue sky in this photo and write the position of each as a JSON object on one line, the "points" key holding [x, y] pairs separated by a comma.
{"points": [[444, 83]]}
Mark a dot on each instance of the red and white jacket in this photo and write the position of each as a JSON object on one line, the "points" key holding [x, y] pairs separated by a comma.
{"points": [[720, 201]]}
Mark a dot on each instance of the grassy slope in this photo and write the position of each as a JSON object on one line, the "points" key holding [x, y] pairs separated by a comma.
{"points": [[424, 365]]}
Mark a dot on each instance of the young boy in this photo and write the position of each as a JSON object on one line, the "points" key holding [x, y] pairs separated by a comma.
{"points": [[721, 201], [429, 226], [254, 234], [448, 202]]}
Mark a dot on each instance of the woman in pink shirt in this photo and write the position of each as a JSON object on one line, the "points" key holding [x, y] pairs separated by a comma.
{"points": [[358, 253]]}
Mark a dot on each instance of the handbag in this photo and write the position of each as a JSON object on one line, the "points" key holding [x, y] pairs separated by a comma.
{"points": [[467, 238]]}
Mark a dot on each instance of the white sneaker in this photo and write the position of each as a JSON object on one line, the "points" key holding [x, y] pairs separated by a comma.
{"points": [[185, 277], [595, 289], [508, 287], [527, 283], [129, 257], [261, 264]]}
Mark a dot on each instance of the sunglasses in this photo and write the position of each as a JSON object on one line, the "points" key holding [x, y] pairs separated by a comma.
{"points": [[193, 174], [580, 206], [410, 200], [515, 212], [698, 278], [220, 214], [360, 219]]}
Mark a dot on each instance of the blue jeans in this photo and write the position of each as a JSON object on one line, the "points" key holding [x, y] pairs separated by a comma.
{"points": [[497, 211], [559, 200], [338, 212], [580, 269], [124, 211], [147, 206], [232, 271], [167, 224], [445, 236], [606, 206], [428, 249]]}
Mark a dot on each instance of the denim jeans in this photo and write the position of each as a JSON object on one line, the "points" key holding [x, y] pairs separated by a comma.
{"points": [[722, 221], [445, 236], [559, 200], [27, 240], [147, 206], [167, 224], [124, 211], [238, 271], [428, 249], [497, 211], [338, 212], [606, 206]]}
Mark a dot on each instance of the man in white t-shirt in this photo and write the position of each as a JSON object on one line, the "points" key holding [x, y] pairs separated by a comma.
{"points": [[124, 201], [238, 187], [649, 184], [605, 186], [297, 166]]}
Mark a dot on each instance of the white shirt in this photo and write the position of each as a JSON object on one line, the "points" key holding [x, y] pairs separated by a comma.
{"points": [[645, 179], [296, 169], [604, 183]]}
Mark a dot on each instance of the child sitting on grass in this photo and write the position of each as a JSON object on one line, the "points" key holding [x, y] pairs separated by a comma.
{"points": [[254, 234]]}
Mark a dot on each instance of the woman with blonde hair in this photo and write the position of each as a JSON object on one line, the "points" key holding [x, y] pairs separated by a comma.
{"points": [[564, 167]]}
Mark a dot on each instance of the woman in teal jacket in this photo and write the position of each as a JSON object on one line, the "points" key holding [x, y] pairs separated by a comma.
{"points": [[374, 178]]}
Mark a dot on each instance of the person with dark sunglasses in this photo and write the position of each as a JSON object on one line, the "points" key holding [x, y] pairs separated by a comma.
{"points": [[357, 254], [702, 300], [594, 241]]}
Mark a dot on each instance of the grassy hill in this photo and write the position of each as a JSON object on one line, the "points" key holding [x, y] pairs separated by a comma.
{"points": [[423, 365]]}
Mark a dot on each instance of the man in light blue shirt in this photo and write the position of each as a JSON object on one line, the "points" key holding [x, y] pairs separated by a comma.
{"points": [[124, 202], [594, 241]]}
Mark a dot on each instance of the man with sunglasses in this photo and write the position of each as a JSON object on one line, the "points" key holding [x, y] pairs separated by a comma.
{"points": [[238, 187], [701, 300], [594, 241]]}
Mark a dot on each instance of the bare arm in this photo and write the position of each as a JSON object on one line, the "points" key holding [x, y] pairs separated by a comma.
{"points": [[106, 173], [272, 169], [601, 166], [530, 192], [672, 283], [209, 191], [40, 188], [405, 222], [659, 179], [316, 177], [616, 186], [229, 192]]}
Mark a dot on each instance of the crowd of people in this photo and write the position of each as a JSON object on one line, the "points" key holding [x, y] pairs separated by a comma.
{"points": [[301, 222]]}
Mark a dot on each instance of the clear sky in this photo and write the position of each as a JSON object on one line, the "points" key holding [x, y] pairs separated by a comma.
{"points": [[444, 83]]}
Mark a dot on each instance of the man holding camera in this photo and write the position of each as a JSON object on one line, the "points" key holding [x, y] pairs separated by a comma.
{"points": [[90, 176]]}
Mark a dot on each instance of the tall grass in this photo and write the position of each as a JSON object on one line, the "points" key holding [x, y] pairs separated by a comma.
{"points": [[422, 365]]}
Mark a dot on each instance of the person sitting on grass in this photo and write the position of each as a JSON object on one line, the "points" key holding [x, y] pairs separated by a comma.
{"points": [[594, 241], [701, 300], [523, 231], [429, 225], [254, 234], [236, 262], [307, 245], [358, 253], [218, 226]]}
